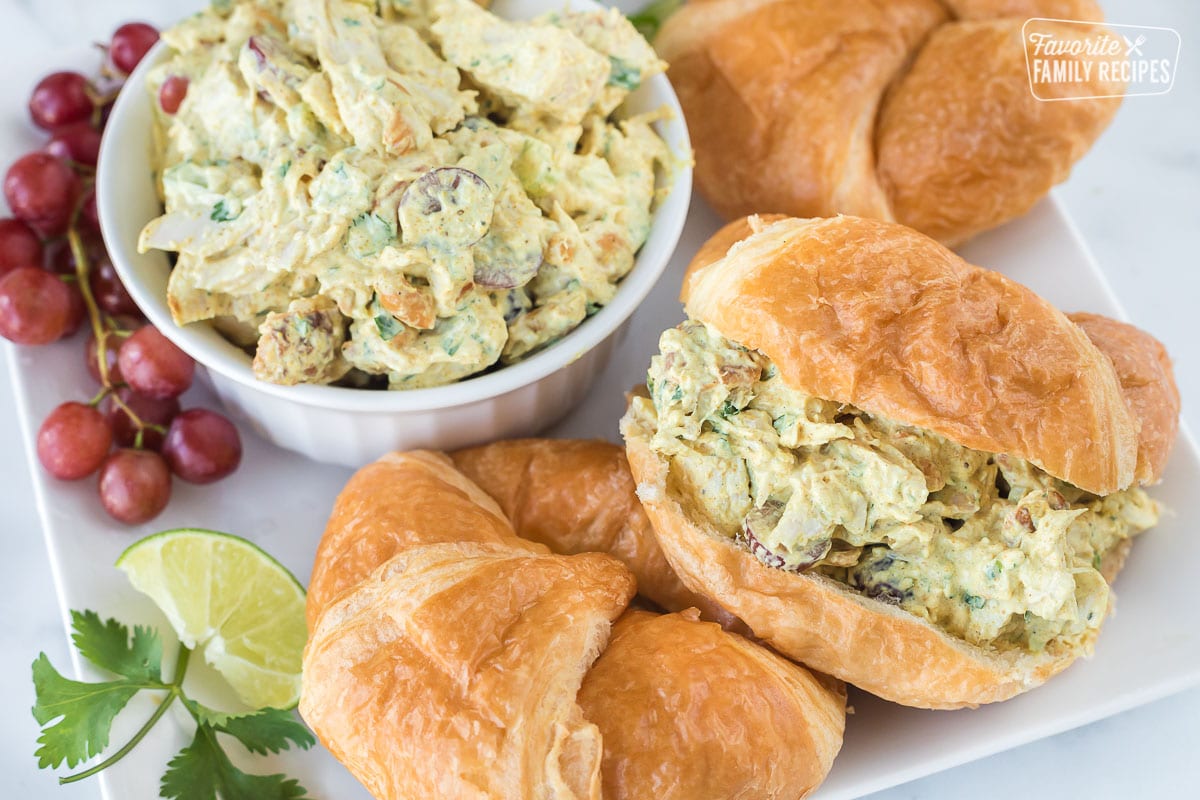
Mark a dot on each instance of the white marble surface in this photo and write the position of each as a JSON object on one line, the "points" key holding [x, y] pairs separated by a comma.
{"points": [[1135, 198]]}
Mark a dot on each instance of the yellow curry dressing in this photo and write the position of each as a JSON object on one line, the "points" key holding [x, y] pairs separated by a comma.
{"points": [[432, 188]]}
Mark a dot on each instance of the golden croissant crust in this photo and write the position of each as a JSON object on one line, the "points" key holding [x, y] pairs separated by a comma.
{"points": [[449, 658], [916, 111], [577, 496]]}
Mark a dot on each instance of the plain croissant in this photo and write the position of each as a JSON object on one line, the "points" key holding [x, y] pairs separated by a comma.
{"points": [[449, 658], [915, 111], [578, 496]]}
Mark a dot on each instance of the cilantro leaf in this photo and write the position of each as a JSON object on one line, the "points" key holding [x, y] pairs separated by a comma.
{"points": [[76, 718], [388, 327], [108, 646], [202, 771], [269, 730], [623, 74], [221, 212], [369, 234], [85, 713]]}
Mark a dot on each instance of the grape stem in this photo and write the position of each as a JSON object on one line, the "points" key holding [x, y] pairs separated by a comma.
{"points": [[115, 329], [174, 689], [99, 330], [102, 98], [75, 242], [99, 398]]}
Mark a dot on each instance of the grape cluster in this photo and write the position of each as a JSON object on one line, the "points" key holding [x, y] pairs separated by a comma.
{"points": [[55, 276]]}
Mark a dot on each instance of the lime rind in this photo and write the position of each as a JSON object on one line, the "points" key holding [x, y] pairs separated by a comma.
{"points": [[218, 534], [228, 598]]}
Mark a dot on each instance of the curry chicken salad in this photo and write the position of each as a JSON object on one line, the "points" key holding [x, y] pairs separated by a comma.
{"points": [[988, 547], [414, 189]]}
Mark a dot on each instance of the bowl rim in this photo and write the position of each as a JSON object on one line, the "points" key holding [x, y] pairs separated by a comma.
{"points": [[216, 353]]}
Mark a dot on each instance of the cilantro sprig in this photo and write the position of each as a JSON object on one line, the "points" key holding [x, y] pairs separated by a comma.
{"points": [[77, 718]]}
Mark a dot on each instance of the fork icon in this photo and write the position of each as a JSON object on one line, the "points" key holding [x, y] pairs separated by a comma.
{"points": [[1134, 48]]}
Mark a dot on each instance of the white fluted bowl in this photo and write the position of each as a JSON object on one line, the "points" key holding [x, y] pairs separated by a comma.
{"points": [[353, 426]]}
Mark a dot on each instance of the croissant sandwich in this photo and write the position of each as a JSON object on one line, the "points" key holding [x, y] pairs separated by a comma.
{"points": [[918, 111], [450, 658], [898, 468]]}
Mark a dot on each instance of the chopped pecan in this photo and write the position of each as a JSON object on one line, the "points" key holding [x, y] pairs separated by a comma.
{"points": [[738, 375], [411, 306]]}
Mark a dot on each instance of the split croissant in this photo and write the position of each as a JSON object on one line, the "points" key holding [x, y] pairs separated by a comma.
{"points": [[916, 111], [876, 316], [450, 658]]}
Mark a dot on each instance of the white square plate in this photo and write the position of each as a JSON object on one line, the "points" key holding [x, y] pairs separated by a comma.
{"points": [[281, 502]]}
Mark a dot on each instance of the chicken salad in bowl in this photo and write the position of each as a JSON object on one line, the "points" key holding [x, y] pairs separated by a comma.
{"points": [[339, 422], [399, 194]]}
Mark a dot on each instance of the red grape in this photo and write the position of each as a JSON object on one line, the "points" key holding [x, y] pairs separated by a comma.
{"points": [[154, 366], [19, 246], [150, 410], [59, 258], [105, 113], [202, 446], [172, 93], [145, 371], [128, 322], [111, 295], [73, 441], [76, 309], [89, 216], [130, 44], [79, 142], [135, 485], [41, 190], [60, 99], [112, 344], [35, 306]]}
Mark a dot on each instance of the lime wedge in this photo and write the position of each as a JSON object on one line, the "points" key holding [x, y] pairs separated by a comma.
{"points": [[225, 595]]}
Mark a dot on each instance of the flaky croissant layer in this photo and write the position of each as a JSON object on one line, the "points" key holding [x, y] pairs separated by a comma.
{"points": [[916, 111]]}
